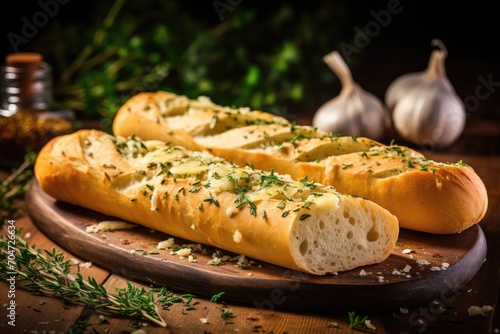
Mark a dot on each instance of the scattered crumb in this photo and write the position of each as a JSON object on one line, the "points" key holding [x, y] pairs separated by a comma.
{"points": [[85, 265], [166, 243], [138, 331], [183, 252], [333, 324], [408, 251], [444, 266], [204, 320], [237, 236], [422, 262], [109, 226], [476, 310], [403, 272], [215, 261], [368, 324]]}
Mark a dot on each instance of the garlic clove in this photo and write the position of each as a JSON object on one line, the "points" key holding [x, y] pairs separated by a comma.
{"points": [[424, 106], [354, 111]]}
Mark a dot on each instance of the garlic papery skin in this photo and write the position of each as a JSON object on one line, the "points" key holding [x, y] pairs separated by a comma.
{"points": [[354, 111], [425, 107]]}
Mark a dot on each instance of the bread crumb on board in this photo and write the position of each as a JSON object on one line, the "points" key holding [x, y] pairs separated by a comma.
{"points": [[109, 226], [476, 310]]}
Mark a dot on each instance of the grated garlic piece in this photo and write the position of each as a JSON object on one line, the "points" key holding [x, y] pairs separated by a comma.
{"points": [[237, 237], [165, 244], [422, 262], [108, 226], [368, 324], [85, 265], [476, 310], [183, 252]]}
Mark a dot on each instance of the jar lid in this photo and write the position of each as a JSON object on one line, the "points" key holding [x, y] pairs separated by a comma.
{"points": [[24, 60]]}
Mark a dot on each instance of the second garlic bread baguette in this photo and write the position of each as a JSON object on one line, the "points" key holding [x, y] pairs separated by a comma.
{"points": [[425, 195], [301, 224]]}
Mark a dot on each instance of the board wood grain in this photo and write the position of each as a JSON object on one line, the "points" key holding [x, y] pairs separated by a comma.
{"points": [[423, 267]]}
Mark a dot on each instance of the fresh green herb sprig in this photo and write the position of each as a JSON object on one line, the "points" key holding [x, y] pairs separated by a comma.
{"points": [[48, 272], [14, 187], [358, 323], [217, 296], [227, 315], [166, 298]]}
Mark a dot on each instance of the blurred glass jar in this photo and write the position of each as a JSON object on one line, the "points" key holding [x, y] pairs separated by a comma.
{"points": [[29, 117]]}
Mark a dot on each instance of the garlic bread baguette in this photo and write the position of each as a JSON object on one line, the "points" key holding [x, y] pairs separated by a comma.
{"points": [[301, 225], [425, 195]]}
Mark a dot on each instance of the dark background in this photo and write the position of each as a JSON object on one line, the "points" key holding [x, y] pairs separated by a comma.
{"points": [[469, 29]]}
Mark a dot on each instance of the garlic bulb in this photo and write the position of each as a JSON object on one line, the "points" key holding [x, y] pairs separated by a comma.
{"points": [[425, 108], [354, 111]]}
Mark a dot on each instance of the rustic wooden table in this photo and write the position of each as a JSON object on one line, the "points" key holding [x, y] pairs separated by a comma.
{"points": [[479, 147]]}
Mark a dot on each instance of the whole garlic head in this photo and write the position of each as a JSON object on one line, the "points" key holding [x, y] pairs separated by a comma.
{"points": [[354, 111], [425, 107]]}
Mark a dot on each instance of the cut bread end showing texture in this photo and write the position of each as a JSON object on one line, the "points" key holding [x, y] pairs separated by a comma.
{"points": [[343, 233]]}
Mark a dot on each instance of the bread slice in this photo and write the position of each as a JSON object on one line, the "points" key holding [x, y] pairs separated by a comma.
{"points": [[301, 225], [425, 195]]}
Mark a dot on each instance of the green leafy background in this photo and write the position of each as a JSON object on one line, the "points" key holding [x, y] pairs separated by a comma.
{"points": [[129, 47]]}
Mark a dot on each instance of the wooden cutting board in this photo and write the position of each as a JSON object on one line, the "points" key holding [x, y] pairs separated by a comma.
{"points": [[422, 267]]}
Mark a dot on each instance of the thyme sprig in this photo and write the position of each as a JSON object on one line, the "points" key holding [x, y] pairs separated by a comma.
{"points": [[49, 273]]}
